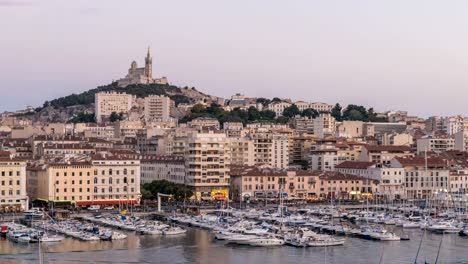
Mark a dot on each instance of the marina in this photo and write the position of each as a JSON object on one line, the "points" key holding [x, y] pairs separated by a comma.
{"points": [[324, 234]]}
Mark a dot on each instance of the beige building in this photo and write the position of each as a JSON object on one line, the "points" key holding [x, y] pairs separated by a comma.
{"points": [[271, 149], [157, 107], [383, 154], [107, 103], [207, 161], [398, 139], [350, 129], [106, 179], [13, 195], [259, 183], [242, 151]]}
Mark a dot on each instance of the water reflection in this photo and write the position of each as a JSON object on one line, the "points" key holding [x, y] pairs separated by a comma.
{"points": [[199, 246]]}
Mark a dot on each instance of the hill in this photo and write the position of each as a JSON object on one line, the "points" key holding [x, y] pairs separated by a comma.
{"points": [[67, 108]]}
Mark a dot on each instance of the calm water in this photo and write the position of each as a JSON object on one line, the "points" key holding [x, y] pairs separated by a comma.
{"points": [[199, 246]]}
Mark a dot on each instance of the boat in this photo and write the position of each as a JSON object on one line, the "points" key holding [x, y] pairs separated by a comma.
{"points": [[173, 231], [388, 236], [266, 242], [325, 241], [53, 238]]}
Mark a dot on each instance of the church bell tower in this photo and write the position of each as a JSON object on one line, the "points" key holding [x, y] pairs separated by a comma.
{"points": [[149, 65]]}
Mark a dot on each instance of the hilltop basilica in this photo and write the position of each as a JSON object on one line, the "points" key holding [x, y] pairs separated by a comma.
{"points": [[141, 75]]}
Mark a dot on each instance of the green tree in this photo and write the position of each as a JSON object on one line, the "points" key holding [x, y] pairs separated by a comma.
{"points": [[116, 117], [291, 111], [276, 100], [336, 112], [179, 191], [309, 112], [263, 101], [282, 119]]}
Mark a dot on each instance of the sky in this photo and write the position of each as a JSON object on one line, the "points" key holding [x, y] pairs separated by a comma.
{"points": [[391, 55]]}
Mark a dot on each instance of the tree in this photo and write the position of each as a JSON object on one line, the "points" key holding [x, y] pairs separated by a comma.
{"points": [[268, 115], [336, 112], [178, 191], [263, 101], [276, 100], [282, 119], [116, 117], [291, 111], [309, 112]]}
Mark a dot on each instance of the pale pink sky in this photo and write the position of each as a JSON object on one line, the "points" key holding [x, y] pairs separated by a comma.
{"points": [[409, 55]]}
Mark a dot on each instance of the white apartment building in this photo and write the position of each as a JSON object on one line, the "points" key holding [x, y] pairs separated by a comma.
{"points": [[302, 105], [278, 107], [280, 151], [321, 107], [108, 102], [157, 168], [455, 124], [271, 149], [208, 161], [13, 185], [391, 180], [324, 125], [325, 159], [157, 108], [435, 144], [421, 181]]}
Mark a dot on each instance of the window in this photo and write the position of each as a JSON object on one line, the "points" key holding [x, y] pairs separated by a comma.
{"points": [[110, 180], [95, 180]]}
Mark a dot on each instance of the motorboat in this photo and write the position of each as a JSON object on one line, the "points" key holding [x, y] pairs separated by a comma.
{"points": [[174, 231], [266, 242]]}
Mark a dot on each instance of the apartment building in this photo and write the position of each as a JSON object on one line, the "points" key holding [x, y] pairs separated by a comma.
{"points": [[278, 107], [107, 103], [105, 179], [260, 182], [157, 168], [324, 125], [242, 151], [207, 161], [391, 180], [383, 154], [13, 195], [204, 123], [435, 144], [350, 129], [423, 177], [303, 125], [461, 141], [157, 107]]}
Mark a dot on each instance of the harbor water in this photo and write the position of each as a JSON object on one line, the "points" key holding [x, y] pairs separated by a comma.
{"points": [[199, 246]]}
